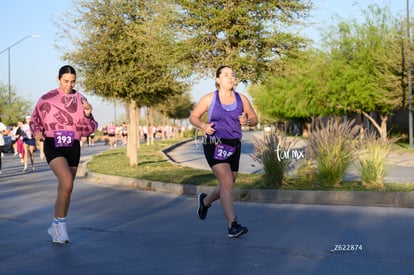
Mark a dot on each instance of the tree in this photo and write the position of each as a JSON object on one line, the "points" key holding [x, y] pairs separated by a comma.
{"points": [[360, 70], [366, 73], [296, 94], [126, 50], [12, 110], [177, 107], [250, 36]]}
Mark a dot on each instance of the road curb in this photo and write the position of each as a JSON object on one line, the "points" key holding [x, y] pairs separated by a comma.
{"points": [[355, 198]]}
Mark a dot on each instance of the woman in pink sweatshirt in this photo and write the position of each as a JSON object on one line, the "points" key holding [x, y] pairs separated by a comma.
{"points": [[61, 117]]}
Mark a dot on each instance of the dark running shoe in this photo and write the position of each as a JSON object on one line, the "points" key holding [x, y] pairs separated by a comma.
{"points": [[202, 209], [236, 230]]}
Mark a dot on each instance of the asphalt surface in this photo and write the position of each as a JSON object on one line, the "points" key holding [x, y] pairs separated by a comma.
{"points": [[129, 231]]}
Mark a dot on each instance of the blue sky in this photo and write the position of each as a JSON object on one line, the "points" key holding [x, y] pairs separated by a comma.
{"points": [[34, 62]]}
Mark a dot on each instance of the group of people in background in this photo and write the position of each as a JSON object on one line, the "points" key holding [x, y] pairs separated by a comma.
{"points": [[3, 129], [23, 144], [160, 132], [112, 134]]}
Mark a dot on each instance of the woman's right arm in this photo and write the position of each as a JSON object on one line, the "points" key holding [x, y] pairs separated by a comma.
{"points": [[199, 110], [36, 123]]}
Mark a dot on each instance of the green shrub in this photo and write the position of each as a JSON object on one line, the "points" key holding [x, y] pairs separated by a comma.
{"points": [[331, 146], [372, 160], [304, 176], [269, 152]]}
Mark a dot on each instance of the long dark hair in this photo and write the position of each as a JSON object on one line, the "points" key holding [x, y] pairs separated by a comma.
{"points": [[218, 72], [67, 69]]}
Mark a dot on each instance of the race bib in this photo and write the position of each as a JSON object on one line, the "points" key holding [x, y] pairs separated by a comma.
{"points": [[64, 138], [223, 151]]}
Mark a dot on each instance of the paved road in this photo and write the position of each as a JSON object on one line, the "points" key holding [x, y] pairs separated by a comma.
{"points": [[124, 231]]}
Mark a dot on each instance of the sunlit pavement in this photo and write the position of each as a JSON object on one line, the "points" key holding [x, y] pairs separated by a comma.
{"points": [[128, 231]]}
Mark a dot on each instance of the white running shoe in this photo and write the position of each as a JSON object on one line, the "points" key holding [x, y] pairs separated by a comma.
{"points": [[58, 233]]}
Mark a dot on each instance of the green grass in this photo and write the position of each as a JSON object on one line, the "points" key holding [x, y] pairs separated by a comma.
{"points": [[154, 166]]}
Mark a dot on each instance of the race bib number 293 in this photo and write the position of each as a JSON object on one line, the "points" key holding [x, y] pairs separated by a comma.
{"points": [[64, 138]]}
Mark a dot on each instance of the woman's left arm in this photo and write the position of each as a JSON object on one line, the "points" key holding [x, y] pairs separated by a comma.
{"points": [[251, 115], [89, 123]]}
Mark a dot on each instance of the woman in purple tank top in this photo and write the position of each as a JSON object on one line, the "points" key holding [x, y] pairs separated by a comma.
{"points": [[227, 111]]}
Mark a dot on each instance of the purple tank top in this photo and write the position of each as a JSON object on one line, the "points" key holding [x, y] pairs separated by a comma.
{"points": [[226, 117]]}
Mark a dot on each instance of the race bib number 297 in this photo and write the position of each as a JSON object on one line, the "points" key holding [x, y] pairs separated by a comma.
{"points": [[223, 151]]}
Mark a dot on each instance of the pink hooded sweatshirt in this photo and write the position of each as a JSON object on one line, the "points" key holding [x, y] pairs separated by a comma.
{"points": [[59, 111]]}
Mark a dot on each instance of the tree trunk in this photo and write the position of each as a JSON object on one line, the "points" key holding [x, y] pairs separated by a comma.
{"points": [[382, 129], [151, 126], [383, 132], [132, 134], [138, 130], [127, 115], [306, 128], [126, 106]]}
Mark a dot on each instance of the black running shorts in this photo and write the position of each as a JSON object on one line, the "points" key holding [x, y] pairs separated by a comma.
{"points": [[209, 147], [71, 154]]}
